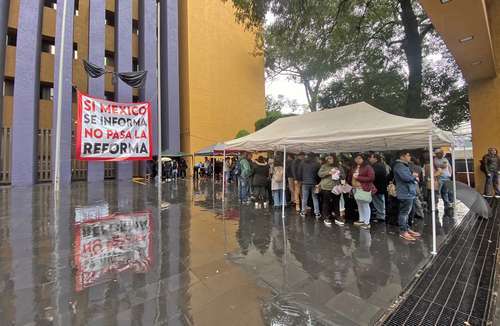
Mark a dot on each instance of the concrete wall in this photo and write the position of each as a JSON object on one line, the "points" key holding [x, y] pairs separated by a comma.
{"points": [[485, 103], [222, 83]]}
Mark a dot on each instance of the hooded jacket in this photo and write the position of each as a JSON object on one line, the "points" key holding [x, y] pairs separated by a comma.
{"points": [[406, 186], [260, 174]]}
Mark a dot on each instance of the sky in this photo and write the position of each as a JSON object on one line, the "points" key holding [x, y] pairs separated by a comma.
{"points": [[280, 85]]}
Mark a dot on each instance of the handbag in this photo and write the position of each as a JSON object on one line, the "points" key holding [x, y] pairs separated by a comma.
{"points": [[317, 189], [391, 189], [341, 189], [363, 196]]}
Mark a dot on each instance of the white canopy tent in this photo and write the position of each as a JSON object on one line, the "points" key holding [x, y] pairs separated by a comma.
{"points": [[351, 128]]}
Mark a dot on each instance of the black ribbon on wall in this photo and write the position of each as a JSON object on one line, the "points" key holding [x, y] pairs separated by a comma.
{"points": [[135, 79]]}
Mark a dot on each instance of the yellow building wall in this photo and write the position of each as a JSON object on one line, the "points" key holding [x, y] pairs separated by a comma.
{"points": [[484, 96], [222, 82]]}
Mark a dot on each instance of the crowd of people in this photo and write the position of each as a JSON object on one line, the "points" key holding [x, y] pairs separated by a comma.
{"points": [[172, 169], [361, 187]]}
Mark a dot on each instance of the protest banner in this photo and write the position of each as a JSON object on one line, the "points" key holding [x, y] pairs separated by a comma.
{"points": [[112, 131], [118, 243]]}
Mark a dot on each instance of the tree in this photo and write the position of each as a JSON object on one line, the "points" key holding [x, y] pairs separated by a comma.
{"points": [[242, 133], [306, 40], [274, 109]]}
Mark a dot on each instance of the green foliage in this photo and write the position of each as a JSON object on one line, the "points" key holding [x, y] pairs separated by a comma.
{"points": [[384, 52], [242, 133]]}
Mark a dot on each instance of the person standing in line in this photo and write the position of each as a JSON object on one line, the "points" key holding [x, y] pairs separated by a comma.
{"points": [[259, 182], [406, 189], [244, 177], [331, 174], [490, 165], [362, 179], [445, 188], [297, 180], [381, 184], [277, 183], [308, 174], [289, 176], [227, 170]]}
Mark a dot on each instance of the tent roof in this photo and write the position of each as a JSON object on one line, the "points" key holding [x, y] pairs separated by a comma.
{"points": [[355, 127], [214, 150]]}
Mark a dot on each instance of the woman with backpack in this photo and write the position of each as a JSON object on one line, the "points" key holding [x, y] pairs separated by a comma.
{"points": [[277, 183]]}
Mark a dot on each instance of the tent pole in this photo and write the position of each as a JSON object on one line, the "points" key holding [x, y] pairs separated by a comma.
{"points": [[466, 166], [433, 196], [284, 184], [454, 181], [223, 176]]}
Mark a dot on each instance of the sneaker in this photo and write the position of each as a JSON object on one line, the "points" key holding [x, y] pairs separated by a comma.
{"points": [[407, 236], [265, 204], [318, 216], [328, 222], [256, 205], [339, 222], [303, 214], [365, 226], [414, 234], [358, 223], [297, 208]]}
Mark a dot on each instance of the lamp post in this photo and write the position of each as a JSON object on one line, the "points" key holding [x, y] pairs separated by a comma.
{"points": [[158, 85]]}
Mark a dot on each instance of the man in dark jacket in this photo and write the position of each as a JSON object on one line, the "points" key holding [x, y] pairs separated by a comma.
{"points": [[297, 180], [406, 190], [308, 174], [491, 165], [380, 183]]}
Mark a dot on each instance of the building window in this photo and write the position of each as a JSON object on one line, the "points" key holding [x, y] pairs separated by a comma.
{"points": [[8, 87], [135, 64], [11, 37], [50, 4], [47, 92], [75, 51], [109, 18], [48, 45], [109, 59], [110, 96], [135, 26]]}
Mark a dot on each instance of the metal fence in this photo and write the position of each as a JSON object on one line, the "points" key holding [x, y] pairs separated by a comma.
{"points": [[5, 145], [44, 148], [44, 173]]}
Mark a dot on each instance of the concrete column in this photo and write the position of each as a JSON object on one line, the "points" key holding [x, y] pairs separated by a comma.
{"points": [[26, 93], [170, 74], [4, 21], [123, 63], [97, 32], [66, 84], [147, 58]]}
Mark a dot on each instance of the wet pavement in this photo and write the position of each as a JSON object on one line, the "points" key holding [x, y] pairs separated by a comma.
{"points": [[109, 254]]}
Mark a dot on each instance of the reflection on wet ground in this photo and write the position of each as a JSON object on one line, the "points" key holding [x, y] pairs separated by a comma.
{"points": [[183, 262]]}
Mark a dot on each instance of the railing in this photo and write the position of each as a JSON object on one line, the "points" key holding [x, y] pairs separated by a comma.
{"points": [[5, 145], [44, 147], [109, 170], [78, 168]]}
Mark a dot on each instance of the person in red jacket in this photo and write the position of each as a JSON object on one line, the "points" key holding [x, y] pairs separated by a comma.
{"points": [[362, 177]]}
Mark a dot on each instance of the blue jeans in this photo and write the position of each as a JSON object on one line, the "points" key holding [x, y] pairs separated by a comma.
{"points": [[446, 191], [405, 207], [278, 197], [491, 182], [306, 190], [364, 211], [379, 205], [244, 185]]}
